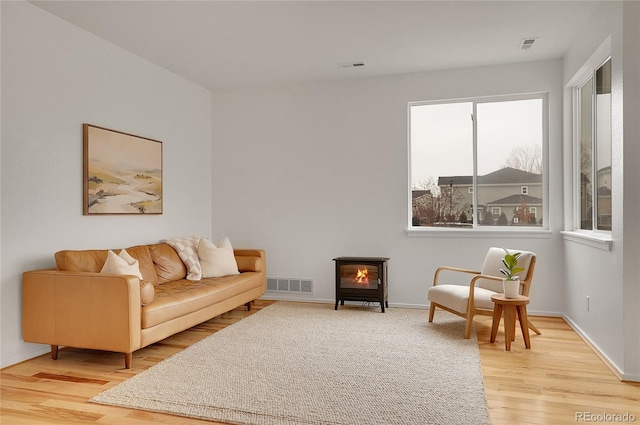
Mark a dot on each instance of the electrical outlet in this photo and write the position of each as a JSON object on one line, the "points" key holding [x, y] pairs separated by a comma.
{"points": [[588, 299]]}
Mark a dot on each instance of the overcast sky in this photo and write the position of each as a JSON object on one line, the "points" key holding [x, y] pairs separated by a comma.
{"points": [[442, 136]]}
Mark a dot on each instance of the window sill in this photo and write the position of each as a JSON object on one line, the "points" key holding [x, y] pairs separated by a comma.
{"points": [[479, 233], [595, 240]]}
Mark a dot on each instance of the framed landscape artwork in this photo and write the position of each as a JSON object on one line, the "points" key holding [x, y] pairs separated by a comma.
{"points": [[122, 173]]}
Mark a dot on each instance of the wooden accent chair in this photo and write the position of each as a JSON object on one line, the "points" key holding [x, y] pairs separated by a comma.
{"points": [[467, 300]]}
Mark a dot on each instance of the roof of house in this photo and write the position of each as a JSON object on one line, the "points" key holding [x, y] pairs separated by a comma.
{"points": [[604, 191], [506, 175], [515, 200], [455, 180], [418, 193]]}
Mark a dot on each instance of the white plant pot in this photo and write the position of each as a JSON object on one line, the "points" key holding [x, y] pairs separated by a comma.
{"points": [[511, 288]]}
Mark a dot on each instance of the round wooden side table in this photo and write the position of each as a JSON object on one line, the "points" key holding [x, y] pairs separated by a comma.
{"points": [[510, 306]]}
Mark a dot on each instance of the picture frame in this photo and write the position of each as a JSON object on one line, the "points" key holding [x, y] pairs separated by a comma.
{"points": [[122, 173]]}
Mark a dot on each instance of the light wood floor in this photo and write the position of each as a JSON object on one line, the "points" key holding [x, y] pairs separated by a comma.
{"points": [[548, 384]]}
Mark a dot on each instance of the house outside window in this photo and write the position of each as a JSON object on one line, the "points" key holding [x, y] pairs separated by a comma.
{"points": [[482, 155], [593, 150]]}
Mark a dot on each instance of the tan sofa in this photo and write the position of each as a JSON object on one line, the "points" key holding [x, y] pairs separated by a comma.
{"points": [[77, 306]]}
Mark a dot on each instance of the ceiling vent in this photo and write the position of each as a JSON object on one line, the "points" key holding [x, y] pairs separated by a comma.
{"points": [[527, 43], [351, 64]]}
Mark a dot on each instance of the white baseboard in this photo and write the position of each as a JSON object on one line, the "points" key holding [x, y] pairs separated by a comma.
{"points": [[544, 313], [598, 352], [287, 297], [38, 351], [414, 306]]}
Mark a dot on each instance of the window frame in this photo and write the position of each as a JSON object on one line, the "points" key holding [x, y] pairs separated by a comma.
{"points": [[515, 231], [588, 72]]}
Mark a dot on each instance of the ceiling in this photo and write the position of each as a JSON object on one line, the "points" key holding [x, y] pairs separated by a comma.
{"points": [[230, 44]]}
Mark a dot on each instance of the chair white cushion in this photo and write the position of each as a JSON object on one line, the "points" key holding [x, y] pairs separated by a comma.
{"points": [[482, 297], [456, 297], [493, 264]]}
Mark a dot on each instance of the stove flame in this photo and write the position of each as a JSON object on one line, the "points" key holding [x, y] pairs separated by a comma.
{"points": [[362, 276]]}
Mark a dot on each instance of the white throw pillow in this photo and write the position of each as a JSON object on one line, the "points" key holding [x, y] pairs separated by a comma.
{"points": [[217, 261], [123, 263]]}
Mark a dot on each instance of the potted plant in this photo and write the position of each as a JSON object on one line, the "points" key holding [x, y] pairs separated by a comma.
{"points": [[511, 282]]}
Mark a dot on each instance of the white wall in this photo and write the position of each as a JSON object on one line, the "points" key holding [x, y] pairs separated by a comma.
{"points": [[314, 171], [0, 170], [609, 277], [631, 299], [55, 77], [308, 172]]}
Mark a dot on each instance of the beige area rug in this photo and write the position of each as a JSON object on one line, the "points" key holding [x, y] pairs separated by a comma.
{"points": [[307, 364]]}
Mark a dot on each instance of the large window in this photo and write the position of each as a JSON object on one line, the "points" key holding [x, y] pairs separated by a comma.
{"points": [[594, 150], [471, 159]]}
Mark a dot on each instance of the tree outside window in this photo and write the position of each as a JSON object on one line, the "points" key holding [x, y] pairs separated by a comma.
{"points": [[477, 156]]}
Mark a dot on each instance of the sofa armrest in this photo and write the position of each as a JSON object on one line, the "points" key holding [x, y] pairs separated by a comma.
{"points": [[81, 309], [250, 260]]}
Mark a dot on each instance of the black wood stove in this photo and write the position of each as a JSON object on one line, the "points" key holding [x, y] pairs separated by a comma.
{"points": [[361, 279]]}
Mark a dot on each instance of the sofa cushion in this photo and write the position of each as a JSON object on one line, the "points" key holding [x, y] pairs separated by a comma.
{"points": [[122, 263], [167, 263], [89, 260], [143, 255], [92, 260], [187, 249], [177, 298], [217, 261]]}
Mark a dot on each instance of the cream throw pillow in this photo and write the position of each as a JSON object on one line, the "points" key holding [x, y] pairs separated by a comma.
{"points": [[217, 261], [123, 263]]}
